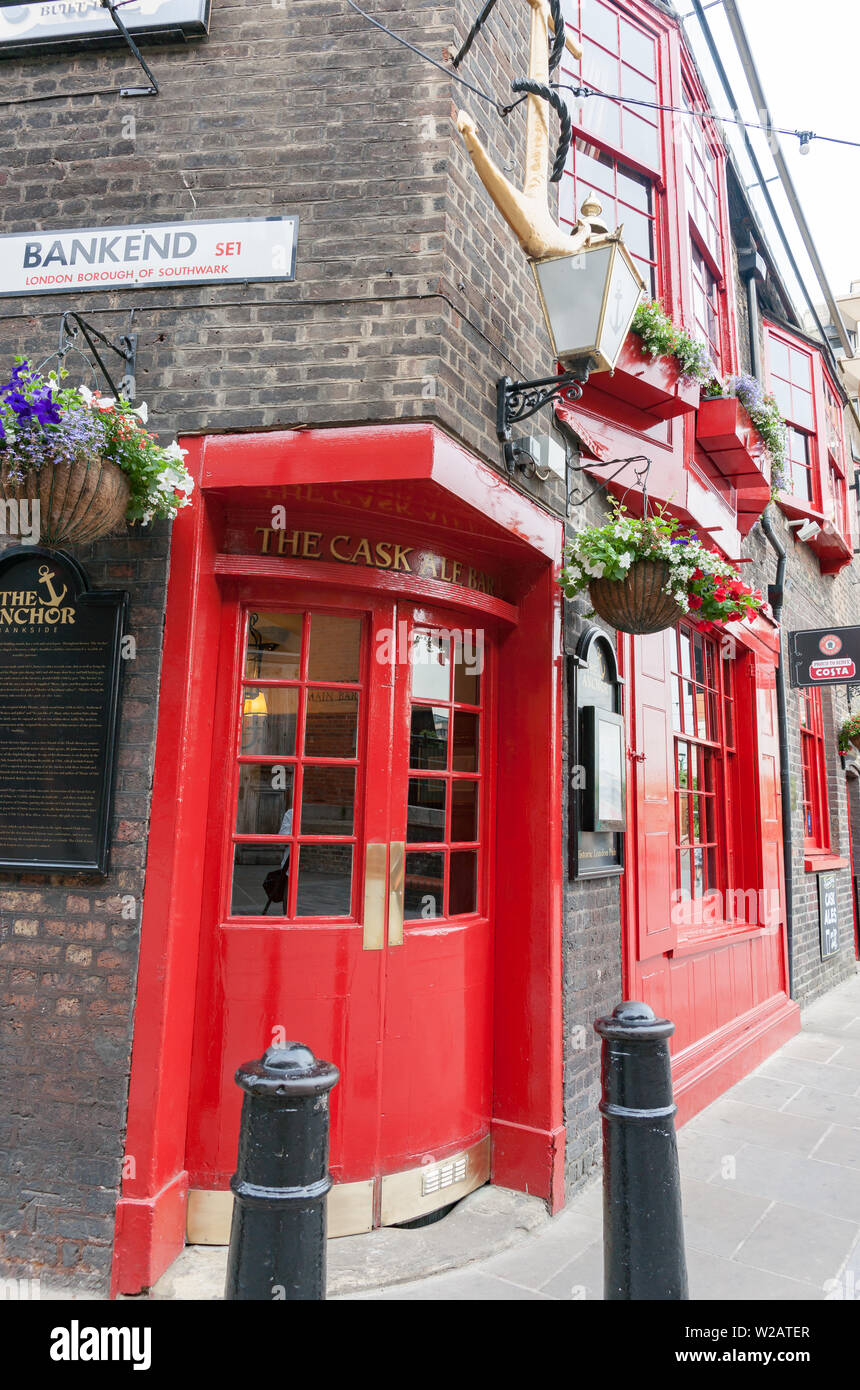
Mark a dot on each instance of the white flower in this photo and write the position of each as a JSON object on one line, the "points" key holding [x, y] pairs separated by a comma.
{"points": [[594, 569], [173, 451], [625, 560], [142, 412]]}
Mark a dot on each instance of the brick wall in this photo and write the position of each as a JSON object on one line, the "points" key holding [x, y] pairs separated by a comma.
{"points": [[68, 963]]}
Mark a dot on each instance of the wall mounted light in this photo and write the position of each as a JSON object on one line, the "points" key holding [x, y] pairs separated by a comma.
{"points": [[588, 300]]}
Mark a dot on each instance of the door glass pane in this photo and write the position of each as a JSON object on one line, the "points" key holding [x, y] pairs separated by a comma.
{"points": [[331, 724], [274, 646], [325, 881], [466, 731], [335, 650], [431, 666], [265, 800], [328, 801], [428, 737], [426, 810], [463, 887], [269, 720], [464, 811], [424, 886], [260, 880], [468, 664]]}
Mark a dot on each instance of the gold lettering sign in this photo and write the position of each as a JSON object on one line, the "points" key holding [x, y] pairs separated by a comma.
{"points": [[35, 607], [347, 549]]}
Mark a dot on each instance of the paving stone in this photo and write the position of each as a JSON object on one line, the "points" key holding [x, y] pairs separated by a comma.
{"points": [[729, 1282], [825, 1105], [582, 1279], [802, 1182], [799, 1244], [701, 1155], [812, 1047], [767, 1091], [535, 1263], [717, 1217], [825, 1076], [736, 1122], [841, 1146]]}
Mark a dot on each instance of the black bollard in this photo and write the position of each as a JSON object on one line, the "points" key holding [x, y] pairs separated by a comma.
{"points": [[643, 1231], [278, 1235]]}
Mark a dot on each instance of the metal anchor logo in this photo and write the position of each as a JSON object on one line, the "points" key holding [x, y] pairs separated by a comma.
{"points": [[45, 577]]}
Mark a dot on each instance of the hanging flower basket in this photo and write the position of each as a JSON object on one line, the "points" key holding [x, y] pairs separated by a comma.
{"points": [[79, 500], [640, 602], [87, 460], [642, 575], [849, 734]]}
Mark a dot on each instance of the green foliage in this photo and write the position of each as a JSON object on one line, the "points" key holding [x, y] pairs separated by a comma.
{"points": [[850, 730], [767, 418], [662, 338], [700, 581]]}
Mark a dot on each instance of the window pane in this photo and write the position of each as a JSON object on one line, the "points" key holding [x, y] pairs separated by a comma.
{"points": [[431, 666], [466, 735], [468, 664], [600, 24], [335, 651], [328, 800], [637, 48], [425, 818], [325, 881], [269, 721], [331, 724], [424, 886], [637, 233], [260, 880], [802, 409], [428, 738], [683, 820], [639, 139], [778, 357], [684, 875], [463, 887], [801, 369], [464, 811], [265, 800], [274, 646], [634, 189]]}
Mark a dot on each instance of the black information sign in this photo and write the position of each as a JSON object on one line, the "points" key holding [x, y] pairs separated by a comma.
{"points": [[828, 915], [597, 759], [825, 656], [59, 686]]}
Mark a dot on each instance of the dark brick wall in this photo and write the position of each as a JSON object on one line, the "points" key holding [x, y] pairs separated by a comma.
{"points": [[68, 964]]}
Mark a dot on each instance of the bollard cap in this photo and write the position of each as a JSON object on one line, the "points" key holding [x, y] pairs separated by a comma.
{"points": [[631, 1020], [287, 1069]]}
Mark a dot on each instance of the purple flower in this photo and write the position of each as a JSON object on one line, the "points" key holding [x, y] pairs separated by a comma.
{"points": [[46, 410]]}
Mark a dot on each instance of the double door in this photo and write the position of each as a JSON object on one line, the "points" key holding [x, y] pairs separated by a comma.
{"points": [[347, 891]]}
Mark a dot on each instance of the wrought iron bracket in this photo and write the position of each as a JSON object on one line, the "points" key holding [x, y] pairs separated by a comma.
{"points": [[519, 400], [112, 8], [125, 348], [640, 477]]}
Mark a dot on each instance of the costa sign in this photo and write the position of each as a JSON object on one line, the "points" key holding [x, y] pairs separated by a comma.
{"points": [[57, 24], [824, 656], [159, 253]]}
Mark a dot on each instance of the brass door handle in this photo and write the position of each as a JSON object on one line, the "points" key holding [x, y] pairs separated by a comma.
{"points": [[374, 897], [396, 878]]}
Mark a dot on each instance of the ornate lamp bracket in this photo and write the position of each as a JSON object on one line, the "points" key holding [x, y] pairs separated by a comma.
{"points": [[519, 400]]}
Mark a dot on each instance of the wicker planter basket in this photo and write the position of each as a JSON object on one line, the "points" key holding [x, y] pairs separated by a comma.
{"points": [[78, 501], [638, 603], [856, 741]]}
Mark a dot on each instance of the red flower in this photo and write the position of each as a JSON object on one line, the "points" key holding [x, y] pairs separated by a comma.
{"points": [[698, 574], [706, 627], [695, 601]]}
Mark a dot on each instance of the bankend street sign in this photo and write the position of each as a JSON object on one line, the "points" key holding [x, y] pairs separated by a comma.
{"points": [[825, 656], [144, 254]]}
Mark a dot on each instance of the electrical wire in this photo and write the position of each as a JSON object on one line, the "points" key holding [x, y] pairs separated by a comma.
{"points": [[455, 77]]}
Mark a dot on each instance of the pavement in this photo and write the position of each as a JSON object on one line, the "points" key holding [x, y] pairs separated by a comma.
{"points": [[770, 1177]]}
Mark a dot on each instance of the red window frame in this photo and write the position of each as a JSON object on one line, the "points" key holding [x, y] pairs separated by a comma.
{"points": [[815, 803], [705, 771], [610, 154], [813, 411], [704, 222]]}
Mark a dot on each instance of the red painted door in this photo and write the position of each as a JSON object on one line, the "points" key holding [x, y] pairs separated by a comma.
{"points": [[346, 900]]}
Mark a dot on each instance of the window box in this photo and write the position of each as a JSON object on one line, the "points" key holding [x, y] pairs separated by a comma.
{"points": [[641, 390], [735, 449], [833, 550]]}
